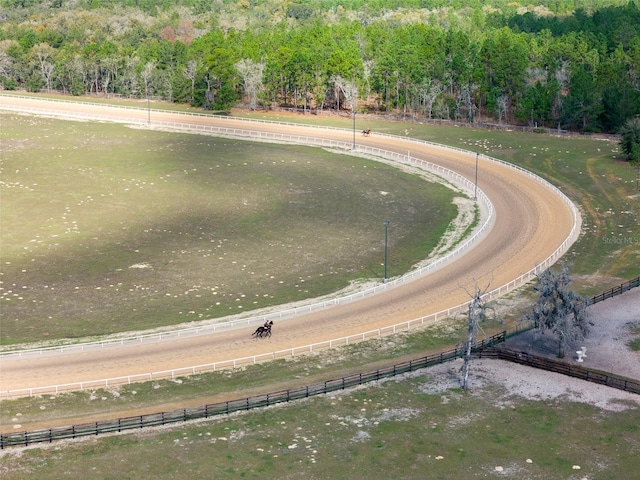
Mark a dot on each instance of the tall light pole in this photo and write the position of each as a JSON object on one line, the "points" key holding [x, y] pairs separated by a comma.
{"points": [[386, 245], [354, 129]]}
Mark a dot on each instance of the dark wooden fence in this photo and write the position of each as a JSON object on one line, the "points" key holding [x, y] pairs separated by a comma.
{"points": [[564, 368], [223, 408], [620, 289], [483, 349]]}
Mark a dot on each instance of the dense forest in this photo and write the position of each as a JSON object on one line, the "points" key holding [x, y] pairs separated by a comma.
{"points": [[569, 64]]}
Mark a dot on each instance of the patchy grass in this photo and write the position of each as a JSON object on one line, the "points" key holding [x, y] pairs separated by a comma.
{"points": [[634, 344], [589, 170], [109, 229], [394, 429], [212, 387], [592, 173]]}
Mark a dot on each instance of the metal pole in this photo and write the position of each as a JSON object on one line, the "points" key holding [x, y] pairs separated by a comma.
{"points": [[148, 109], [354, 129], [475, 195], [386, 245]]}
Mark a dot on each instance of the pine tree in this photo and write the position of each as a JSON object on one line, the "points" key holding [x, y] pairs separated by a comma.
{"points": [[630, 140]]}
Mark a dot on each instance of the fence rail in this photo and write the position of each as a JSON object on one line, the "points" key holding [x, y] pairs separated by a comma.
{"points": [[564, 368], [26, 438], [619, 290], [457, 178], [483, 349], [100, 383]]}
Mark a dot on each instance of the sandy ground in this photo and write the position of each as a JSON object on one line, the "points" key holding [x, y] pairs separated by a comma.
{"points": [[530, 224], [614, 321]]}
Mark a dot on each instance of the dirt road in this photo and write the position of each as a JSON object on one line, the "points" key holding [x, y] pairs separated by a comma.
{"points": [[531, 222]]}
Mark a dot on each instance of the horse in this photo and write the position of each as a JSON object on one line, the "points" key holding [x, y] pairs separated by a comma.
{"points": [[263, 330], [366, 133]]}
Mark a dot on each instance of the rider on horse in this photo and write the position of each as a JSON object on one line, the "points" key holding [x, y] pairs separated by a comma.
{"points": [[264, 330]]}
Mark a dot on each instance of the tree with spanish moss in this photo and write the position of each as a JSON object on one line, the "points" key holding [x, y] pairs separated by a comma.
{"points": [[559, 309]]}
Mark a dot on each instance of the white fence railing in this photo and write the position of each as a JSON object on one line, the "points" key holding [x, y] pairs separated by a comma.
{"points": [[438, 170], [403, 326]]}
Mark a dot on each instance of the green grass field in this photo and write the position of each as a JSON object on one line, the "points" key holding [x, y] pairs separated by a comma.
{"points": [[592, 173], [109, 229], [396, 429], [590, 170], [393, 430]]}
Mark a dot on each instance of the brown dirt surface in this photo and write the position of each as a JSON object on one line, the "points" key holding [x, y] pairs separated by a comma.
{"points": [[530, 223]]}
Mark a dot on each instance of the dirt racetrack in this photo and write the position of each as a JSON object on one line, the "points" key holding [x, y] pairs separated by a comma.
{"points": [[530, 223]]}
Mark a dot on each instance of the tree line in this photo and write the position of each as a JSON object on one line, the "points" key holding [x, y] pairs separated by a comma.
{"points": [[544, 67]]}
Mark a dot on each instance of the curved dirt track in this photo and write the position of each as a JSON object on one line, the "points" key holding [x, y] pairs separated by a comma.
{"points": [[530, 223]]}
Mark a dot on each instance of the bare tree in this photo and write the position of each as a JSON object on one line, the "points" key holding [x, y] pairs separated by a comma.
{"points": [[367, 69], [559, 309], [147, 78], [428, 91], [465, 99], [213, 83], [129, 80], [502, 103], [43, 55], [477, 313], [6, 62], [190, 72], [252, 78], [109, 71], [348, 89], [562, 76]]}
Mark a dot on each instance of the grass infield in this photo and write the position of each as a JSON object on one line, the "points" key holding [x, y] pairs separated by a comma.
{"points": [[110, 229]]}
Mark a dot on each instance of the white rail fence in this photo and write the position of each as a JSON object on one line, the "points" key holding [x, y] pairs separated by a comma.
{"points": [[438, 170], [250, 360]]}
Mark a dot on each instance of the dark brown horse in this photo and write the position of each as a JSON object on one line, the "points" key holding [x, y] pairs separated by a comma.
{"points": [[264, 330], [366, 132]]}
